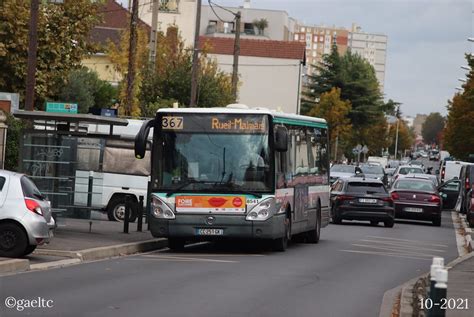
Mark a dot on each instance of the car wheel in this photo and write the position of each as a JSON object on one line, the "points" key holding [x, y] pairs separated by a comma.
{"points": [[314, 235], [336, 219], [116, 209], [281, 244], [176, 244], [437, 221], [374, 223], [13, 240], [30, 249], [389, 223]]}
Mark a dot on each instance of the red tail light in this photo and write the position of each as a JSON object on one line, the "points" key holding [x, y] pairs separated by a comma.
{"points": [[388, 199], [344, 197], [466, 185], [434, 199], [33, 206], [395, 196], [442, 174]]}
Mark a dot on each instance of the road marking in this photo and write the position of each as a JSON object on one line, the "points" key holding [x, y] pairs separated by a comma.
{"points": [[396, 255], [411, 241], [216, 255], [402, 245], [179, 258], [402, 251]]}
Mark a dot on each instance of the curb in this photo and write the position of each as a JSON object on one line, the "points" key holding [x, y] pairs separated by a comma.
{"points": [[14, 265], [76, 257]]}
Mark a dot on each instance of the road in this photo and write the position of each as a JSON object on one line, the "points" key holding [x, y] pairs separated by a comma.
{"points": [[346, 274]]}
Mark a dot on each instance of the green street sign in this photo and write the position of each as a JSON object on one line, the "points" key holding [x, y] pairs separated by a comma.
{"points": [[61, 107]]}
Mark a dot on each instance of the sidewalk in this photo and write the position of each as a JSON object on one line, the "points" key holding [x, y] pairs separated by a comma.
{"points": [[78, 240], [460, 282]]}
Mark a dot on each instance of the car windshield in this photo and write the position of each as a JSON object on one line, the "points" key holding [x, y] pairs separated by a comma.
{"points": [[414, 185], [365, 188], [212, 160], [410, 170], [372, 169], [342, 169]]}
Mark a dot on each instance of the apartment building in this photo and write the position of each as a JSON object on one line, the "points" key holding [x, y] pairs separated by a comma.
{"points": [[180, 13], [371, 46], [220, 22]]}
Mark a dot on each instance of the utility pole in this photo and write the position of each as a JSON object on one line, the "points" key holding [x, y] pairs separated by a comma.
{"points": [[154, 33], [235, 66], [396, 135], [131, 57], [32, 49], [195, 69]]}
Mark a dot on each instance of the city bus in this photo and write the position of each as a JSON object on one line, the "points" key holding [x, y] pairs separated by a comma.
{"points": [[236, 172]]}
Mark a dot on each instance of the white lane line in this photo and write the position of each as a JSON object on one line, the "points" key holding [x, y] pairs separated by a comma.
{"points": [[402, 245], [185, 258], [460, 240], [396, 255], [412, 252], [412, 241], [177, 260], [215, 255]]}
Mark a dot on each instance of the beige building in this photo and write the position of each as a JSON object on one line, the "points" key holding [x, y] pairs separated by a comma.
{"points": [[269, 71], [180, 13], [319, 41], [372, 47]]}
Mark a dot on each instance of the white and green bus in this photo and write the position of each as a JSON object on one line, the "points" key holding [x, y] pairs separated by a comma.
{"points": [[236, 172]]}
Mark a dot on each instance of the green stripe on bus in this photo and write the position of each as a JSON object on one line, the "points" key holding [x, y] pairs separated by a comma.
{"points": [[300, 122]]}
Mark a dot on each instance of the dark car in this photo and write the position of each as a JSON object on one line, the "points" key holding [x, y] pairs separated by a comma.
{"points": [[450, 192], [374, 171], [466, 176], [416, 199], [359, 198], [470, 208]]}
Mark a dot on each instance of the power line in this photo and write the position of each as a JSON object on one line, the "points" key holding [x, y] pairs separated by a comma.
{"points": [[215, 13]]}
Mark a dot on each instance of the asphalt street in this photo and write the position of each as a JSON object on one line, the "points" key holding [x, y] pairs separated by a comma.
{"points": [[346, 274]]}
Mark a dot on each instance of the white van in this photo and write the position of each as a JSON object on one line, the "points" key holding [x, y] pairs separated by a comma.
{"points": [[451, 170]]}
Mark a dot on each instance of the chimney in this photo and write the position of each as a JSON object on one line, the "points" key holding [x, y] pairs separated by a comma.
{"points": [[246, 4]]}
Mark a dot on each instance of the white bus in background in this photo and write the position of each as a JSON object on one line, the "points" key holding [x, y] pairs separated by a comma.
{"points": [[110, 161], [383, 161]]}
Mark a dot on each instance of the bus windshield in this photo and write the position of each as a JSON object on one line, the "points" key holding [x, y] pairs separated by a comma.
{"points": [[205, 156]]}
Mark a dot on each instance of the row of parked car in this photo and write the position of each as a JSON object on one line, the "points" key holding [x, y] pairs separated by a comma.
{"points": [[368, 192]]}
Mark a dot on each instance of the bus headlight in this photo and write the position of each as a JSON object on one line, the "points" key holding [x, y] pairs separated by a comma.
{"points": [[262, 211], [160, 209]]}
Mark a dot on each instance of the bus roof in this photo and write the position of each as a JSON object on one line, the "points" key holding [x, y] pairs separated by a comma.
{"points": [[279, 117]]}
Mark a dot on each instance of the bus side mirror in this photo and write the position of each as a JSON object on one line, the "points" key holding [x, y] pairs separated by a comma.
{"points": [[281, 139], [141, 138]]}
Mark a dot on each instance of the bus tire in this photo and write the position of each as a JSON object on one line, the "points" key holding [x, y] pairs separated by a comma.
{"points": [[176, 244], [280, 244], [116, 209], [314, 235]]}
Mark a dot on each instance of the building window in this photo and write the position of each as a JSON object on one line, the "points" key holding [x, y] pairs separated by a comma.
{"points": [[302, 29], [249, 28], [315, 46], [315, 38], [211, 27], [308, 38], [308, 45], [169, 5], [321, 39], [228, 27], [297, 37], [314, 53]]}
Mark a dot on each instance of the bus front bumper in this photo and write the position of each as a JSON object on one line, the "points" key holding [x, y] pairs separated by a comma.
{"points": [[188, 225]]}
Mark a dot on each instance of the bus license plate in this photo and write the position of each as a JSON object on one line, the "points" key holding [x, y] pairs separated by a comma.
{"points": [[209, 232], [368, 201], [410, 209]]}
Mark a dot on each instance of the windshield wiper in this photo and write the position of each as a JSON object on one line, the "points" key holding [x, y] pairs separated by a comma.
{"points": [[185, 184]]}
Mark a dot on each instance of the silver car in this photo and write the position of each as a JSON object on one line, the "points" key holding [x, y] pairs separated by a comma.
{"points": [[25, 215]]}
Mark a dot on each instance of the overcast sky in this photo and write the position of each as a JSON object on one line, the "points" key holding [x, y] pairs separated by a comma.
{"points": [[427, 40]]}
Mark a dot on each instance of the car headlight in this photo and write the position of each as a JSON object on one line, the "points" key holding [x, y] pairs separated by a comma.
{"points": [[262, 211], [160, 210]]}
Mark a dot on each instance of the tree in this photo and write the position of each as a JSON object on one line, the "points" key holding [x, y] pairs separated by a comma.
{"points": [[63, 32], [170, 80], [84, 87], [358, 83], [261, 25], [459, 130], [335, 111], [432, 127]]}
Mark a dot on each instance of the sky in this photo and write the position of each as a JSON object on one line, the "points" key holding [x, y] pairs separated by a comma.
{"points": [[427, 40]]}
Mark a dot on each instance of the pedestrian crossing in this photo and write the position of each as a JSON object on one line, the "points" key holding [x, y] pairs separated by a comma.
{"points": [[395, 247]]}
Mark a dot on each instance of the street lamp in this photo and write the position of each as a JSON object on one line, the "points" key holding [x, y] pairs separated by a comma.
{"points": [[470, 39], [462, 79], [466, 67], [396, 136], [459, 88]]}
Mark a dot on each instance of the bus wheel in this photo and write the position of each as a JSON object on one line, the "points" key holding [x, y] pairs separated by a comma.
{"points": [[116, 209], [281, 244], [313, 235], [176, 244]]}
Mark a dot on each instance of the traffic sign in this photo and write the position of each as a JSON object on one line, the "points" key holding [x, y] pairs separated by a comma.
{"points": [[64, 107]]}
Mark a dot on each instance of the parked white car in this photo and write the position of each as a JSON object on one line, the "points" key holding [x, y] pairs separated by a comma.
{"points": [[25, 215]]}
